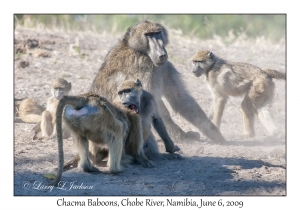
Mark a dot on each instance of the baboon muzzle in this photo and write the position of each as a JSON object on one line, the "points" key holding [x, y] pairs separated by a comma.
{"points": [[157, 51]]}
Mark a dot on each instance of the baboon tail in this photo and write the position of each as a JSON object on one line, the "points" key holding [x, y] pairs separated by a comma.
{"points": [[59, 112], [266, 119], [275, 74], [76, 102]]}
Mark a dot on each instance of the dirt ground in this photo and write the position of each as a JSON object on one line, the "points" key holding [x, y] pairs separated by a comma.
{"points": [[247, 166]]}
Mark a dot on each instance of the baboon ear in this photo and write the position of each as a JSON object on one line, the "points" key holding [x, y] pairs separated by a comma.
{"points": [[138, 82], [210, 54]]}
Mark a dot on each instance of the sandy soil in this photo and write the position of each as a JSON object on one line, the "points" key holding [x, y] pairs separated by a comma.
{"points": [[248, 166]]}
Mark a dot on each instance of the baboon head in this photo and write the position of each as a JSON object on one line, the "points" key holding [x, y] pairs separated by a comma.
{"points": [[129, 93], [149, 38], [60, 88], [202, 61]]}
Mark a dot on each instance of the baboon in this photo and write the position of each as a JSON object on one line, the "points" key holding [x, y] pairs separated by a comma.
{"points": [[142, 112], [227, 78], [46, 124], [29, 110], [141, 54], [132, 96], [92, 118]]}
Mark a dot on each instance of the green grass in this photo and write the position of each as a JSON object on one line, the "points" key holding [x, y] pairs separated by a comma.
{"points": [[203, 26]]}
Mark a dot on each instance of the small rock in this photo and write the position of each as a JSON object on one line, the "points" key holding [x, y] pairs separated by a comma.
{"points": [[22, 64]]}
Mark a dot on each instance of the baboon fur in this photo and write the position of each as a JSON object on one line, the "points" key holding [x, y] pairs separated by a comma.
{"points": [[131, 92], [141, 54], [46, 125], [226, 78], [30, 111], [141, 112], [92, 118]]}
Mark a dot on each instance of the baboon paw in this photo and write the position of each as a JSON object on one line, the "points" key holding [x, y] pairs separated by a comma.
{"points": [[90, 169], [116, 171], [174, 149], [171, 156], [37, 138], [70, 164], [53, 137], [143, 161], [192, 135], [175, 156], [148, 164]]}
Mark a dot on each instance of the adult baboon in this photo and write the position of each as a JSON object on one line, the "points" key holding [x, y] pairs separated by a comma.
{"points": [[227, 78], [46, 125], [142, 54], [91, 118]]}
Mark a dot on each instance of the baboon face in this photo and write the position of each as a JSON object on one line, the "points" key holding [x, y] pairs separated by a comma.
{"points": [[60, 88], [157, 51], [129, 94], [202, 60], [150, 38], [58, 93]]}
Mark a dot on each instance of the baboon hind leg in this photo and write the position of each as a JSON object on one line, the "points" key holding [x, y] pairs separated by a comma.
{"points": [[46, 124], [248, 116], [115, 154], [82, 145]]}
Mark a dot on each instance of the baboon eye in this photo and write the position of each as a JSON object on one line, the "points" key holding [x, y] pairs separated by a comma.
{"points": [[198, 62], [152, 33], [124, 91]]}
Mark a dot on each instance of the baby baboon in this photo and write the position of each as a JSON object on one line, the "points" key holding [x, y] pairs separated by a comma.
{"points": [[46, 125], [227, 78], [141, 103], [29, 110], [142, 54]]}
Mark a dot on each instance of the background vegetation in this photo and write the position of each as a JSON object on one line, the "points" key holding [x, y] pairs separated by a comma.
{"points": [[204, 26]]}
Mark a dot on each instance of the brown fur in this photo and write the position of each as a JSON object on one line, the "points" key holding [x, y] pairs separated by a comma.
{"points": [[148, 114], [140, 134], [107, 127], [30, 111], [138, 56], [46, 124], [227, 78]]}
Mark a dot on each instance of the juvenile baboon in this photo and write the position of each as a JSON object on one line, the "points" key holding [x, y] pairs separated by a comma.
{"points": [[46, 124], [91, 118], [227, 78], [141, 54], [29, 110], [137, 101]]}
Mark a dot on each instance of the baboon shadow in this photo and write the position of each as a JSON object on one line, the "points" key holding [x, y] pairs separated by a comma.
{"points": [[268, 141], [194, 176]]}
